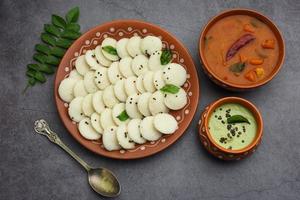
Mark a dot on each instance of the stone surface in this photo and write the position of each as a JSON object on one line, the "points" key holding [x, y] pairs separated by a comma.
{"points": [[33, 168]]}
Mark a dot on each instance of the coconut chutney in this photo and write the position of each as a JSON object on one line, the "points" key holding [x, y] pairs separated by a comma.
{"points": [[232, 126]]}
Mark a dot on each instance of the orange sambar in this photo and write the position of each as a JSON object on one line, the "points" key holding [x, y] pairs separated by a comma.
{"points": [[235, 58]]}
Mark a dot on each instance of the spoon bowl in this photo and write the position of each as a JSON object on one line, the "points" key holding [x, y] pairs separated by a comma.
{"points": [[104, 182]]}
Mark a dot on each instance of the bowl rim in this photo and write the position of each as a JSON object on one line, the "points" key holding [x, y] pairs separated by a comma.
{"points": [[251, 107], [192, 111], [257, 15]]}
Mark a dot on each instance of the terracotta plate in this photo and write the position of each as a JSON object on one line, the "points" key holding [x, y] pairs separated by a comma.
{"points": [[120, 29]]}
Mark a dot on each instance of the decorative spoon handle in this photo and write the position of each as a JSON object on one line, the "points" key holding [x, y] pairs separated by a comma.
{"points": [[42, 127]]}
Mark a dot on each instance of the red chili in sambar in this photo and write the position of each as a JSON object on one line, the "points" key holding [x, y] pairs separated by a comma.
{"points": [[241, 49]]}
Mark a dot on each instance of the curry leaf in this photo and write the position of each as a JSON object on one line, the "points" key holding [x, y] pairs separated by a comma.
{"points": [[39, 76], [48, 39], [52, 60], [41, 58], [123, 116], [73, 27], [30, 73], [170, 88], [41, 67], [46, 68], [33, 67], [49, 28], [73, 15], [237, 119], [58, 52], [58, 21], [31, 81], [111, 50], [42, 48], [207, 39], [237, 67], [165, 57], [64, 43], [70, 34]]}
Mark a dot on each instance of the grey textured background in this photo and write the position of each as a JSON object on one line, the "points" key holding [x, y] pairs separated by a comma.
{"points": [[33, 168]]}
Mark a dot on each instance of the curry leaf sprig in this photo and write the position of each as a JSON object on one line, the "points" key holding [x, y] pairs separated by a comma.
{"points": [[57, 37]]}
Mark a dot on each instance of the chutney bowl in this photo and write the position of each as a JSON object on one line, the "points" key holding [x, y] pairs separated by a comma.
{"points": [[209, 142]]}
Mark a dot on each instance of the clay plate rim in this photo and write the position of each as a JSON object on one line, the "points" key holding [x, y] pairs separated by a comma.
{"points": [[259, 16], [182, 51], [249, 106]]}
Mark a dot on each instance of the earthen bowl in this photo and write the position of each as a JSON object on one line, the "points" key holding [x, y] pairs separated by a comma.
{"points": [[229, 85], [216, 150], [120, 29]]}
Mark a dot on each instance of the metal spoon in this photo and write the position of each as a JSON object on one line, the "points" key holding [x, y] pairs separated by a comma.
{"points": [[101, 180]]}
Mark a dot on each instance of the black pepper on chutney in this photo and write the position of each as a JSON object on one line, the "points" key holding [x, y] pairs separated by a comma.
{"points": [[235, 135]]}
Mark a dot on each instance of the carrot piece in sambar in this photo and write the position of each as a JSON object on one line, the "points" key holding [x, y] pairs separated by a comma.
{"points": [[256, 61], [250, 76], [268, 44], [249, 28]]}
